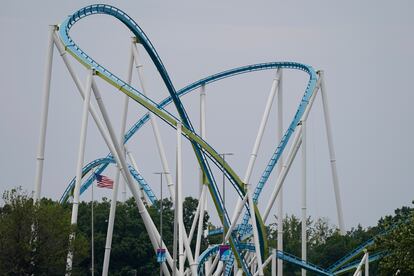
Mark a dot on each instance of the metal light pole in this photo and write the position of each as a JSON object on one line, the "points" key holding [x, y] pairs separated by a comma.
{"points": [[161, 208], [92, 238], [223, 155]]}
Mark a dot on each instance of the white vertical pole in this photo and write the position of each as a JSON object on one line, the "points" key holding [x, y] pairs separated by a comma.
{"points": [[114, 198], [304, 221], [161, 207], [179, 204], [124, 119], [184, 241], [332, 154], [259, 136], [200, 223], [254, 226], [176, 223], [290, 155], [81, 154], [45, 110], [146, 218], [279, 170], [273, 262], [92, 236], [275, 85], [203, 186], [367, 264], [163, 157], [208, 265], [154, 125], [202, 123]]}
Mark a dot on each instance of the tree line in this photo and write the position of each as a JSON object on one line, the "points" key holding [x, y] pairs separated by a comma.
{"points": [[34, 238]]}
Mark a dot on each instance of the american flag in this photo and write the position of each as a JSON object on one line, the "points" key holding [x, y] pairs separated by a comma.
{"points": [[104, 181]]}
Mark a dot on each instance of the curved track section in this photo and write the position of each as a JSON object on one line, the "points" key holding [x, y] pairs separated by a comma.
{"points": [[211, 251], [105, 162], [202, 149], [192, 87]]}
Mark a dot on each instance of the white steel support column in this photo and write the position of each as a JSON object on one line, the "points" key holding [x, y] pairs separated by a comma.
{"points": [[150, 226], [358, 271], [285, 169], [235, 219], [81, 154], [290, 155], [332, 154], [219, 269], [367, 264], [258, 140], [124, 119], [78, 84], [135, 166], [161, 151], [194, 223], [273, 262], [256, 146], [275, 88], [114, 198], [304, 216], [268, 260], [43, 123], [170, 183], [202, 124], [254, 226], [203, 185], [213, 264], [200, 223], [179, 203], [207, 265], [229, 231], [148, 223], [154, 124], [279, 170]]}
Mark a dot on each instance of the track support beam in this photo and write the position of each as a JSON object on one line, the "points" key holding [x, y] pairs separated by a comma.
{"points": [[44, 114]]}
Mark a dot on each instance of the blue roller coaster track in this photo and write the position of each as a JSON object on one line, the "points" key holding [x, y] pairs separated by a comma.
{"points": [[205, 154], [106, 161]]}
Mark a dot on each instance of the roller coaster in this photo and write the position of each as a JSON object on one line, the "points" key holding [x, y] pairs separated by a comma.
{"points": [[246, 237]]}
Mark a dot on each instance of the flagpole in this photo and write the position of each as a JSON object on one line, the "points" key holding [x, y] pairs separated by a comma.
{"points": [[92, 238]]}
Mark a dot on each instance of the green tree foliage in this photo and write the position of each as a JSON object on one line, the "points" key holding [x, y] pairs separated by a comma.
{"points": [[397, 243], [325, 244], [34, 237], [131, 247]]}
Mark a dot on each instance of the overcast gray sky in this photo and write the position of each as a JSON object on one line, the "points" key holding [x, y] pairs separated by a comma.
{"points": [[364, 47]]}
